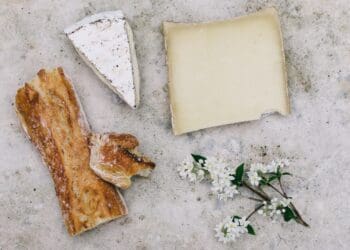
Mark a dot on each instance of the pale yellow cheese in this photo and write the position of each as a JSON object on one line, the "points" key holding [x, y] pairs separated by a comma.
{"points": [[225, 72]]}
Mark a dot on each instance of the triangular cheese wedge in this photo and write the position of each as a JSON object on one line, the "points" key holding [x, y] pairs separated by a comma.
{"points": [[105, 42]]}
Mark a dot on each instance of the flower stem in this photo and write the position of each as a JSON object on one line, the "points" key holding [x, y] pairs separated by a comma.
{"points": [[257, 192], [276, 189], [299, 219], [265, 197], [262, 191], [254, 211], [255, 199], [280, 182]]}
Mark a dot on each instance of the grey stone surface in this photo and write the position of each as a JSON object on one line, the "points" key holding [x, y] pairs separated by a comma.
{"points": [[166, 212]]}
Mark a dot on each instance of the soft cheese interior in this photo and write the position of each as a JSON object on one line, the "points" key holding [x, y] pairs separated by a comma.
{"points": [[105, 42], [225, 72]]}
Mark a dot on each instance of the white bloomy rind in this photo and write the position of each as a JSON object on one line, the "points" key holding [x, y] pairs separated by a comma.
{"points": [[105, 42]]}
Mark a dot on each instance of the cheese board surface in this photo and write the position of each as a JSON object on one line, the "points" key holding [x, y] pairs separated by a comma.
{"points": [[166, 212]]}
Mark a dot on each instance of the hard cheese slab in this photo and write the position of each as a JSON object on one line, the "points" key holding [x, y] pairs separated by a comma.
{"points": [[225, 72]]}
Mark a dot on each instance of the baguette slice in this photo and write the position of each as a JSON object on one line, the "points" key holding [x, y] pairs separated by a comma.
{"points": [[105, 42], [114, 158], [53, 119]]}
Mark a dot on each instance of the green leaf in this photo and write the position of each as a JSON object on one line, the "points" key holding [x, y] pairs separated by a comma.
{"points": [[286, 173], [278, 169], [263, 181], [250, 230], [278, 172], [235, 217], [288, 214], [271, 178], [239, 174], [198, 157]]}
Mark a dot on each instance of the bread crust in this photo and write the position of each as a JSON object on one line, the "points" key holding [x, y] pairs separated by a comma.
{"points": [[114, 158], [52, 117]]}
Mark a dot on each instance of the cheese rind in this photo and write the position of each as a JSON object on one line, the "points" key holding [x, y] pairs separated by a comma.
{"points": [[225, 72], [105, 42]]}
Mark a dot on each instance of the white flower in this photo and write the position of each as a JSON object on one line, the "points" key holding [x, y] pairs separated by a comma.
{"points": [[228, 192], [254, 178], [258, 169], [191, 170], [185, 168], [217, 170], [221, 231], [230, 229], [215, 166], [221, 176], [275, 206], [272, 167], [254, 173], [243, 223], [285, 202]]}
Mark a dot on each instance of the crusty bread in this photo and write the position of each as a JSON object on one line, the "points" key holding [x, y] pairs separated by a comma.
{"points": [[114, 158], [52, 117]]}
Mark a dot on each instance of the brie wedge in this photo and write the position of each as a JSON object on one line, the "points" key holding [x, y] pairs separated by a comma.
{"points": [[105, 42], [225, 72]]}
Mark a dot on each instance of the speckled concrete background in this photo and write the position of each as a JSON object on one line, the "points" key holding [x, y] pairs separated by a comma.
{"points": [[166, 212]]}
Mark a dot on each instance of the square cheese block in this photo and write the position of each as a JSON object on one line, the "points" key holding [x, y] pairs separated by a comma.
{"points": [[226, 71]]}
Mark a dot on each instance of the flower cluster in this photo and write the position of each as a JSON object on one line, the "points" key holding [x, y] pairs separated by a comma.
{"points": [[258, 170], [192, 170], [213, 169], [231, 228], [274, 207], [225, 182], [221, 176]]}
